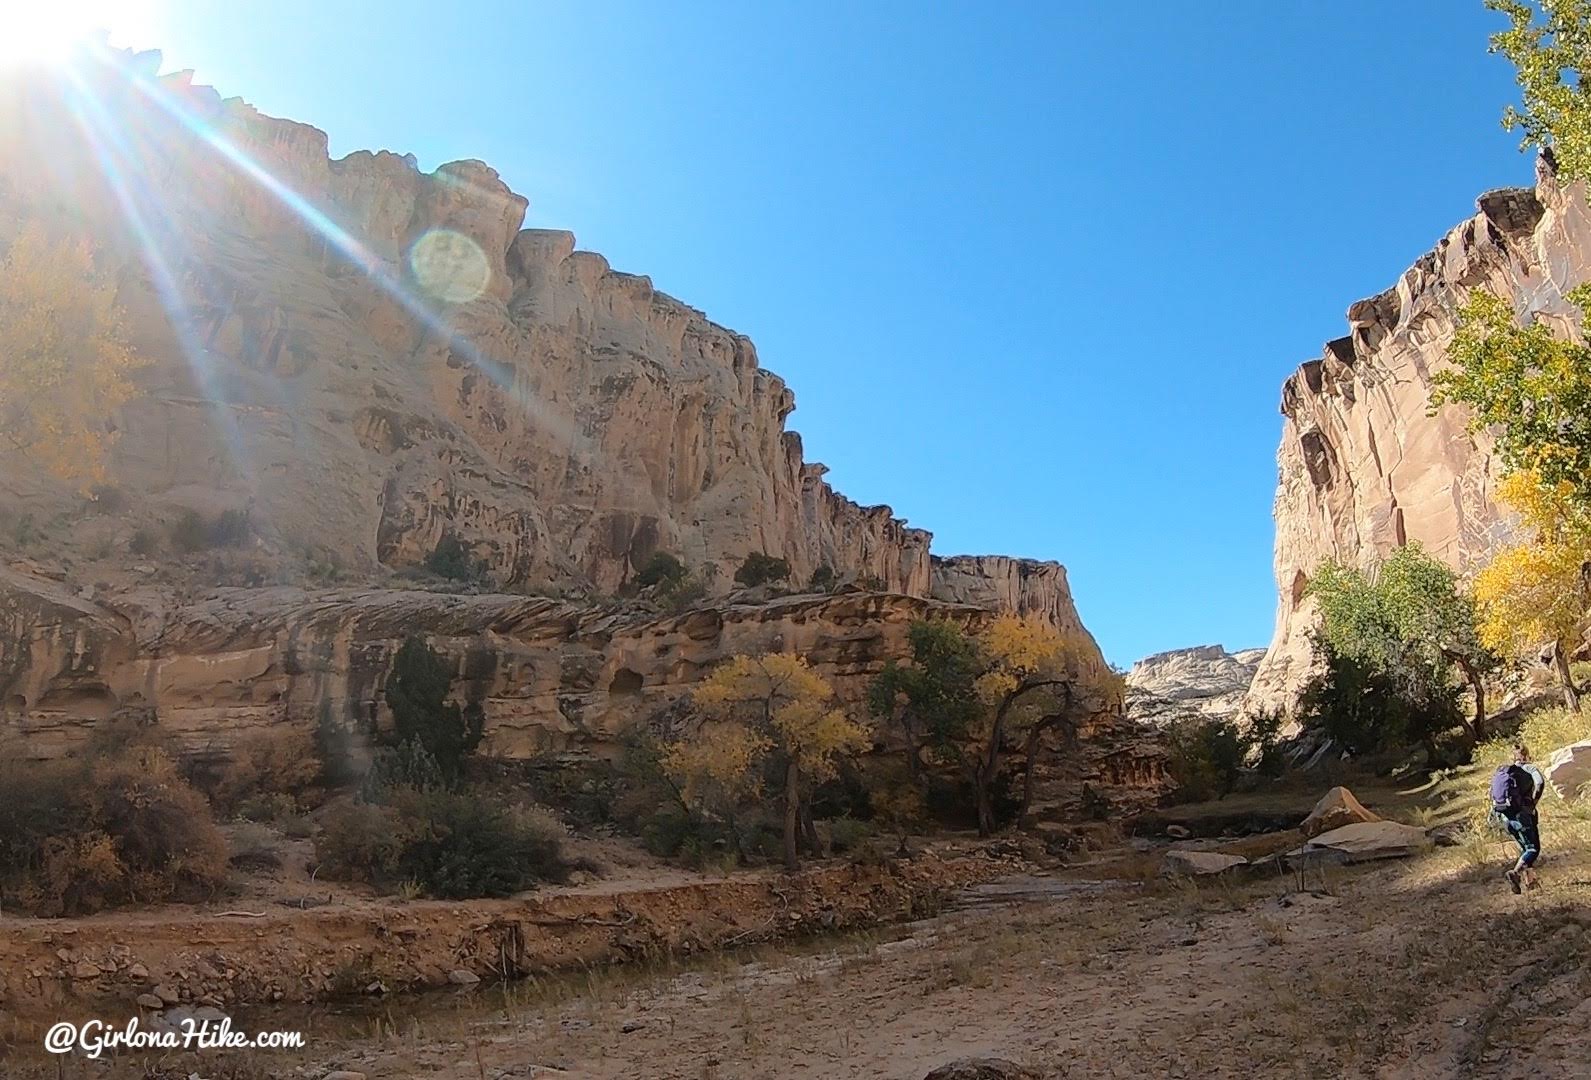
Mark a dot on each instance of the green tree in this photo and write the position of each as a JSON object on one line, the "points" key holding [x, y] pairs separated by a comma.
{"points": [[1364, 710], [1527, 385], [974, 700], [933, 700], [661, 569], [1551, 57], [417, 695], [1408, 620], [760, 568]]}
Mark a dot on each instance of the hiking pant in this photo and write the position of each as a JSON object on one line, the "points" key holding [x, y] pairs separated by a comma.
{"points": [[1526, 831]]}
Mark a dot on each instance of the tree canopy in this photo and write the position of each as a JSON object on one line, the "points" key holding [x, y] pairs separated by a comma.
{"points": [[1530, 387], [1538, 592], [1408, 620], [65, 359], [1551, 54], [753, 711]]}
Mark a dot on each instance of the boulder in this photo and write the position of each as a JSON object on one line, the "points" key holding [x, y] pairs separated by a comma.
{"points": [[1194, 863], [1336, 808], [1569, 770], [1366, 840], [982, 1069]]}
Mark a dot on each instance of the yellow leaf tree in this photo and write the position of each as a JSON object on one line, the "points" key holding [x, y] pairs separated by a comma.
{"points": [[1034, 679], [64, 355], [753, 708], [1538, 592]]}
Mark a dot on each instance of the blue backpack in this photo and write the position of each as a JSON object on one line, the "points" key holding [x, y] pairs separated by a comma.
{"points": [[1510, 784]]}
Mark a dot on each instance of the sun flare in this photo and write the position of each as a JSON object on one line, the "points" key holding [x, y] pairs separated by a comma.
{"points": [[46, 31]]}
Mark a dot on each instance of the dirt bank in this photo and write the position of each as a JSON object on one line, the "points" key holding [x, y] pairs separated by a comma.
{"points": [[51, 968]]}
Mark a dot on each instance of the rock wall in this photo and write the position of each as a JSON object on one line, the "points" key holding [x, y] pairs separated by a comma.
{"points": [[1204, 681], [550, 677], [1362, 467], [366, 359]]}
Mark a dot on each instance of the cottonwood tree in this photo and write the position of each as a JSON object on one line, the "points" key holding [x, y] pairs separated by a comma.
{"points": [[1539, 592], [64, 355], [1528, 386], [972, 700], [1552, 55], [753, 711], [1406, 619]]}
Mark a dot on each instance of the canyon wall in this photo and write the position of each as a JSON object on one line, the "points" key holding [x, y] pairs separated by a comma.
{"points": [[552, 679], [1363, 467], [355, 366], [365, 359]]}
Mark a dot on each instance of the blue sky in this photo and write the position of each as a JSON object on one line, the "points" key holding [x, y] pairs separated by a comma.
{"points": [[1035, 271]]}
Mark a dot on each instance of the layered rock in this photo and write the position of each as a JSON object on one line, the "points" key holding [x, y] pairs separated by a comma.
{"points": [[366, 365], [1363, 466], [1202, 682], [366, 359], [550, 677]]}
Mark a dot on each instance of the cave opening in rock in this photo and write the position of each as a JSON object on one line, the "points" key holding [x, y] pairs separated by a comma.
{"points": [[626, 683]]}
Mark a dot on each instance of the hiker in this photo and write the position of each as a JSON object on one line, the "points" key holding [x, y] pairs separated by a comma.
{"points": [[1516, 789]]}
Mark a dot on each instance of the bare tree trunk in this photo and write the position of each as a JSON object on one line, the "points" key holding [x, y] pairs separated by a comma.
{"points": [[1032, 764], [809, 830], [1571, 695], [792, 814]]}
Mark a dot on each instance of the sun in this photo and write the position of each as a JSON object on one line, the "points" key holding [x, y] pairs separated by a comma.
{"points": [[36, 32]]}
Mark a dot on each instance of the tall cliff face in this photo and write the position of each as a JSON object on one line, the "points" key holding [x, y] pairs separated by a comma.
{"points": [[367, 359], [1362, 466]]}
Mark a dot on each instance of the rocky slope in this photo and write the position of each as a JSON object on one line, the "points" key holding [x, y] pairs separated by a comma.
{"points": [[1362, 466], [366, 359], [1204, 681]]}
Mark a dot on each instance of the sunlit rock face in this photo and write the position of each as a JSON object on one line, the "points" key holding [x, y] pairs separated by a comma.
{"points": [[1362, 466], [1204, 682], [367, 359], [363, 361]]}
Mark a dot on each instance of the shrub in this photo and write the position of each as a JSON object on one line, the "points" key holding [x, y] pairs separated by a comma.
{"points": [[452, 560], [458, 846], [107, 499], [1205, 757], [360, 842], [407, 765], [823, 578], [847, 835], [760, 568], [661, 568], [116, 825], [417, 694], [281, 764], [681, 594], [143, 542], [190, 532], [255, 847], [443, 844]]}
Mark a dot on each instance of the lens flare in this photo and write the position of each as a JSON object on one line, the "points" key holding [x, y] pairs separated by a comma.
{"points": [[48, 31], [449, 266]]}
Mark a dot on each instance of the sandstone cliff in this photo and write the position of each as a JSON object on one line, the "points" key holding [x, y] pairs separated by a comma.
{"points": [[550, 677], [365, 359], [1202, 682], [353, 363], [1362, 467]]}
